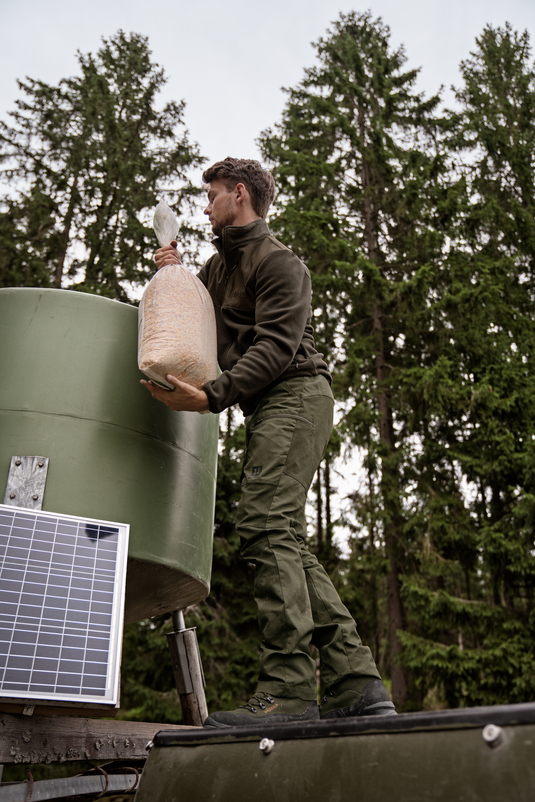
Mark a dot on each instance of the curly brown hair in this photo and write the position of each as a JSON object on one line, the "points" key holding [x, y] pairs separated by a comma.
{"points": [[259, 182]]}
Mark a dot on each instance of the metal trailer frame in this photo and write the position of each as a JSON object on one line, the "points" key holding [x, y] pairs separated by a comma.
{"points": [[482, 754]]}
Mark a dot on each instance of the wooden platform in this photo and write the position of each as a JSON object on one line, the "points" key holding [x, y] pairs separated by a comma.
{"points": [[49, 739]]}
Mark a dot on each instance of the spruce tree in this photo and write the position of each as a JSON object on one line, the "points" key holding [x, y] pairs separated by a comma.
{"points": [[361, 203], [473, 595], [83, 164]]}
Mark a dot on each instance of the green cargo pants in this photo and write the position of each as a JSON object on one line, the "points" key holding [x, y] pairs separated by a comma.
{"points": [[297, 604]]}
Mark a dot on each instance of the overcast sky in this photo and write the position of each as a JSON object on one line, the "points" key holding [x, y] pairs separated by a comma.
{"points": [[229, 60]]}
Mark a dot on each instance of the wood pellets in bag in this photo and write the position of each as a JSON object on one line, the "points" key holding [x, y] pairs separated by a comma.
{"points": [[177, 330]]}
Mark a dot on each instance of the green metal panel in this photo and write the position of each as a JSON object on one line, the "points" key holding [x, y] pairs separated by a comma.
{"points": [[70, 391], [409, 758]]}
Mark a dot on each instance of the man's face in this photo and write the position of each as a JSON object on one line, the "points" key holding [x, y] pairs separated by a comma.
{"points": [[222, 207]]}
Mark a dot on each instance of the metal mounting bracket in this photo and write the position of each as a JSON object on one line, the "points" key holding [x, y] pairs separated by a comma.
{"points": [[26, 482]]}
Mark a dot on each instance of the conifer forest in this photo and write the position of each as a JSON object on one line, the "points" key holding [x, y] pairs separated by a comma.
{"points": [[417, 223]]}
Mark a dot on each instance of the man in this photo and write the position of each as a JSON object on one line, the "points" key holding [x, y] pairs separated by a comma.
{"points": [[270, 367]]}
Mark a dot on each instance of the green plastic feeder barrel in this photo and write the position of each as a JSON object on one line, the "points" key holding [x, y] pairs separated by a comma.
{"points": [[70, 391]]}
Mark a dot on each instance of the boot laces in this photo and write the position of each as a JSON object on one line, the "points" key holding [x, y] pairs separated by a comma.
{"points": [[257, 701]]}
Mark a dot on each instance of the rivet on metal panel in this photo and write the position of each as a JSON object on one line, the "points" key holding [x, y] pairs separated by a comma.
{"points": [[266, 745], [18, 462], [492, 734], [35, 496], [11, 495]]}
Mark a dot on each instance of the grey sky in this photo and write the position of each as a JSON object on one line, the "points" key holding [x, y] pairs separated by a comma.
{"points": [[229, 59]]}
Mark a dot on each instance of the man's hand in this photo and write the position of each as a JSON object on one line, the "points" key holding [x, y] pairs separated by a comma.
{"points": [[167, 256], [184, 398]]}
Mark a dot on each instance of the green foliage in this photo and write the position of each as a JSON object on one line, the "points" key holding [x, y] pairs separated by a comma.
{"points": [[83, 164], [419, 233], [471, 596], [495, 127], [364, 203], [148, 689], [226, 622]]}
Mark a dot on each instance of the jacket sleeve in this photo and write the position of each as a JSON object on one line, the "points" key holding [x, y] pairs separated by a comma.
{"points": [[282, 307]]}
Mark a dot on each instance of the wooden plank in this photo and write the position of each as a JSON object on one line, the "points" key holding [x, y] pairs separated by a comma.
{"points": [[44, 739]]}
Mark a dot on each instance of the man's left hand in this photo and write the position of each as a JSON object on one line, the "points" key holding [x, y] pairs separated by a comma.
{"points": [[184, 398]]}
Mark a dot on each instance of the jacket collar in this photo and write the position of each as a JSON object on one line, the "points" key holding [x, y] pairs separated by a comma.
{"points": [[234, 238]]}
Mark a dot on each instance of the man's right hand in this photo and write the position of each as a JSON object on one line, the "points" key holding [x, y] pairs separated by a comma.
{"points": [[167, 256]]}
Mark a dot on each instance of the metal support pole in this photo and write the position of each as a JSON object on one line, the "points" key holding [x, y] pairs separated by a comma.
{"points": [[188, 672]]}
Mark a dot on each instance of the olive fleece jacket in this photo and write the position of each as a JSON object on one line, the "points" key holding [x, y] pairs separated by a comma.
{"points": [[261, 293]]}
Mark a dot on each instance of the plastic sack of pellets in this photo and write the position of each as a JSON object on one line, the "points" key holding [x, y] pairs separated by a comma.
{"points": [[177, 330]]}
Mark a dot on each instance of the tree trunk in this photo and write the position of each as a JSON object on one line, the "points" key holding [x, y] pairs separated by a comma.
{"points": [[319, 514], [392, 525], [65, 236], [373, 577], [389, 474], [389, 484], [328, 519]]}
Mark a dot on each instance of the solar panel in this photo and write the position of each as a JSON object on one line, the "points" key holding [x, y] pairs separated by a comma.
{"points": [[62, 581]]}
